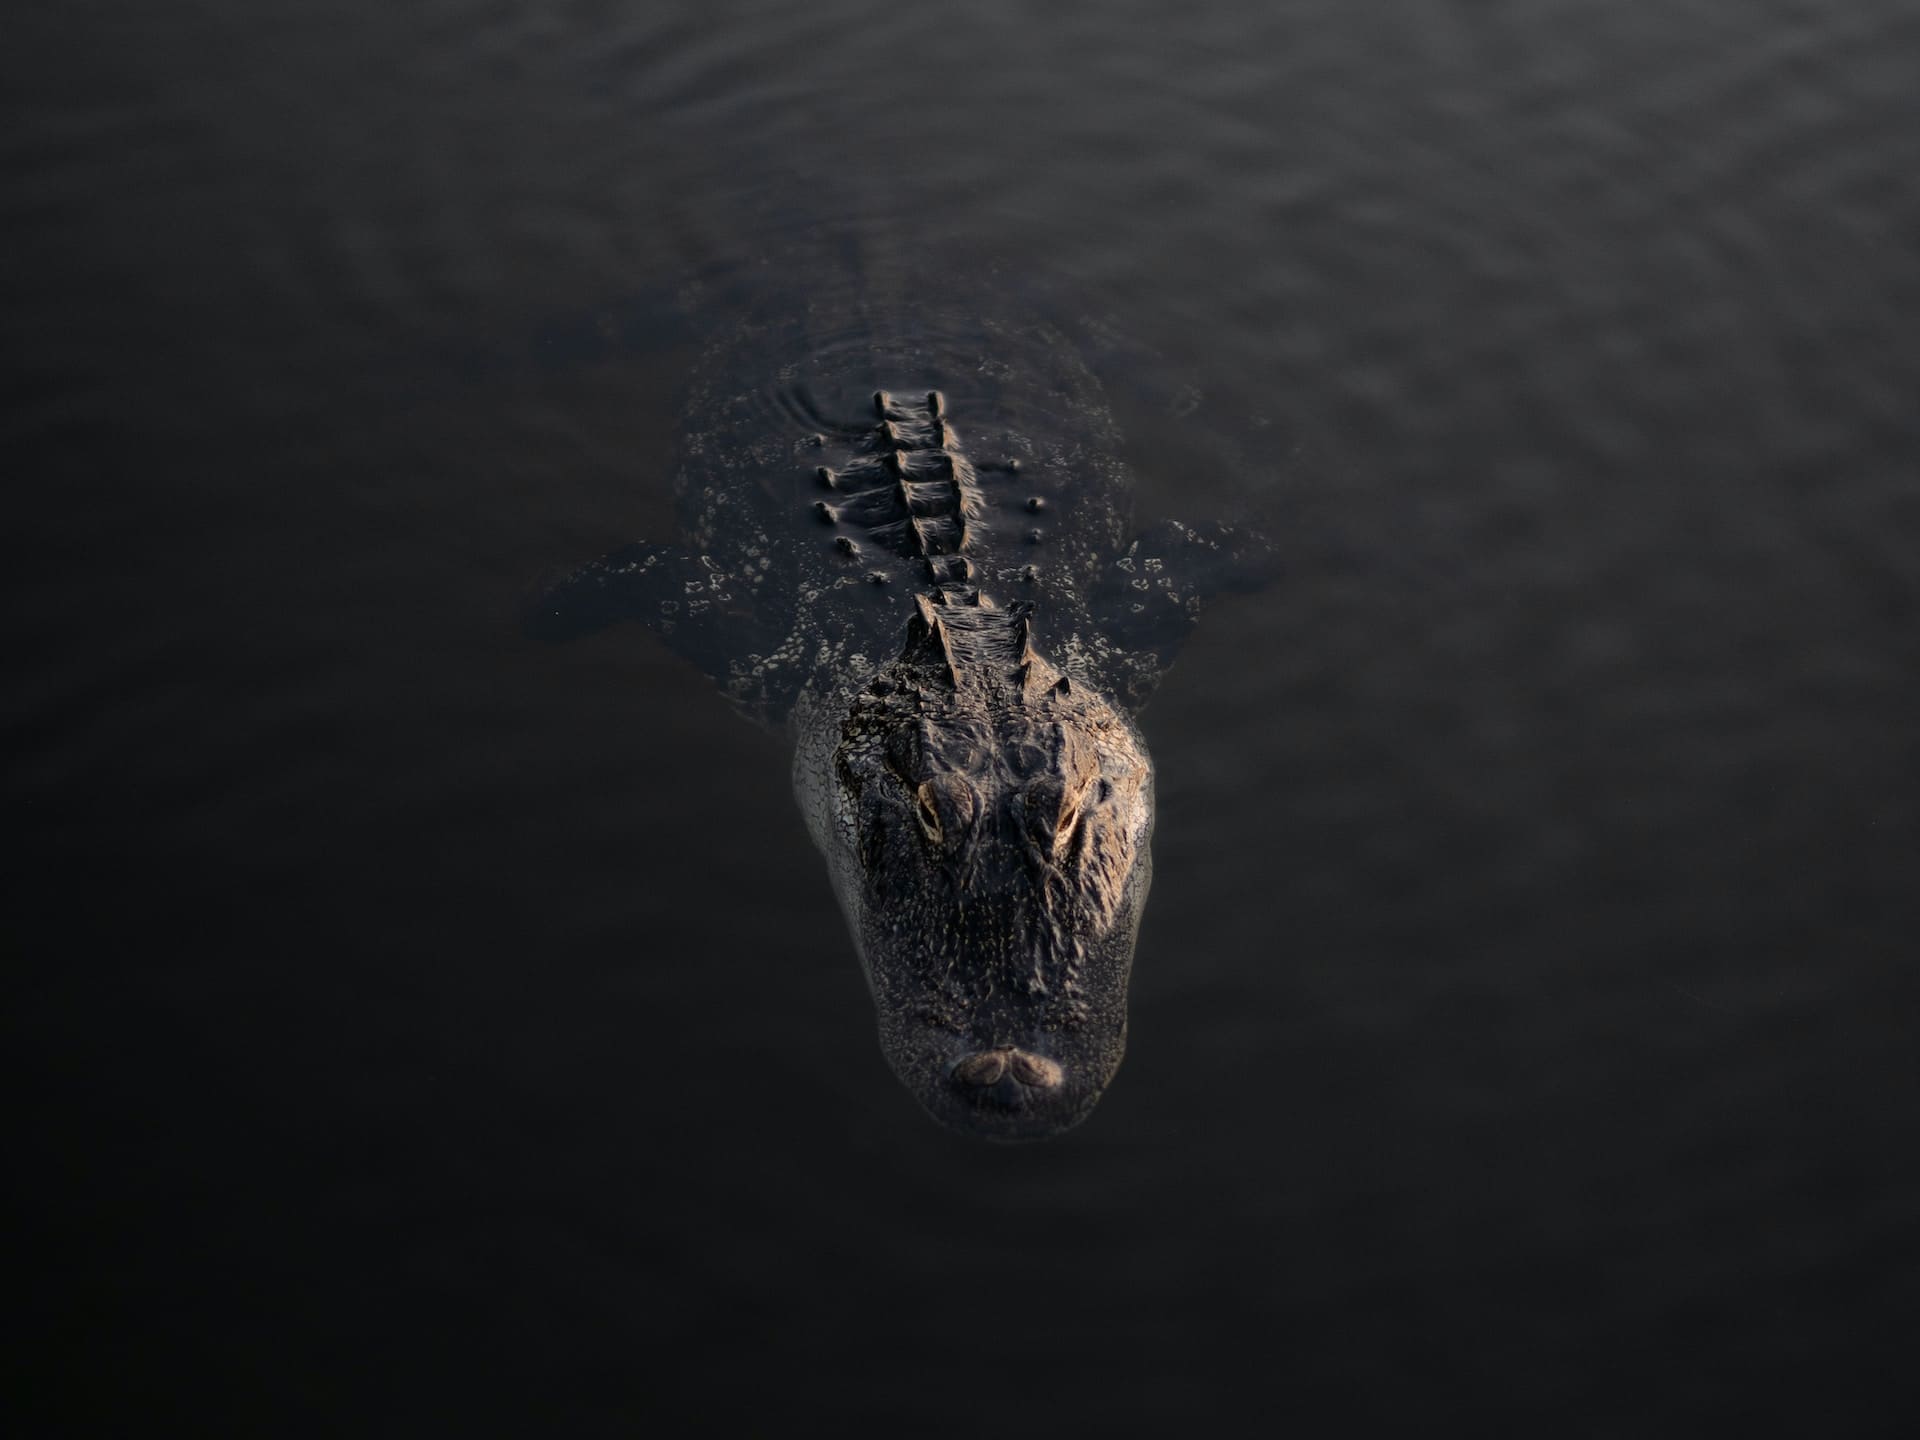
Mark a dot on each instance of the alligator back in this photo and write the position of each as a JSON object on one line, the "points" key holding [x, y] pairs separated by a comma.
{"points": [[906, 535], [833, 466]]}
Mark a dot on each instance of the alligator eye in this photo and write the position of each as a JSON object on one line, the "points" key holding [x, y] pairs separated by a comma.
{"points": [[928, 814], [1053, 814], [946, 807], [1069, 819]]}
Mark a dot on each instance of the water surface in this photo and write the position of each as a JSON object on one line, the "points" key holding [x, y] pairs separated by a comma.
{"points": [[421, 1030]]}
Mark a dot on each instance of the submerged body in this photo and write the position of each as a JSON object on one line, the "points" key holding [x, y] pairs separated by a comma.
{"points": [[910, 545]]}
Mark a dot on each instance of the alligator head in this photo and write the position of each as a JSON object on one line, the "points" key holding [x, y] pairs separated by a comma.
{"points": [[989, 844]]}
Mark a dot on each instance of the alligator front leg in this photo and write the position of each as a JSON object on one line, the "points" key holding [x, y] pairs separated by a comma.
{"points": [[1150, 597], [664, 587], [732, 627]]}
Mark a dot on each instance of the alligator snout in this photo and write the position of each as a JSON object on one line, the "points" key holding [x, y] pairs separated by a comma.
{"points": [[985, 1068]]}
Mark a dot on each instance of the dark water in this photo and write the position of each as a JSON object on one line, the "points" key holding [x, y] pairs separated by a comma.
{"points": [[419, 1032]]}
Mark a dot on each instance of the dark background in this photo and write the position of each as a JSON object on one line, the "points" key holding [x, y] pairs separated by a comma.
{"points": [[415, 1031]]}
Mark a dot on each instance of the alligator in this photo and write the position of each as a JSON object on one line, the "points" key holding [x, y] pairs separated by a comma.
{"points": [[907, 542]]}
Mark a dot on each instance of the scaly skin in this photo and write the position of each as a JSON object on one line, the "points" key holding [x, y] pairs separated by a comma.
{"points": [[986, 823], [983, 799]]}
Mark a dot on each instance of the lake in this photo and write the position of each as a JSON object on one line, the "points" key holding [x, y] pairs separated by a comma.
{"points": [[421, 1030]]}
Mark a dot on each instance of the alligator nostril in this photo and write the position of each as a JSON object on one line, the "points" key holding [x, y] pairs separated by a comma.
{"points": [[1036, 1071], [989, 1067], [984, 1068]]}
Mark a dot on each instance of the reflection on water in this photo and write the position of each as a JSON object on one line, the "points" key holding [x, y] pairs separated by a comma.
{"points": [[416, 1021]]}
